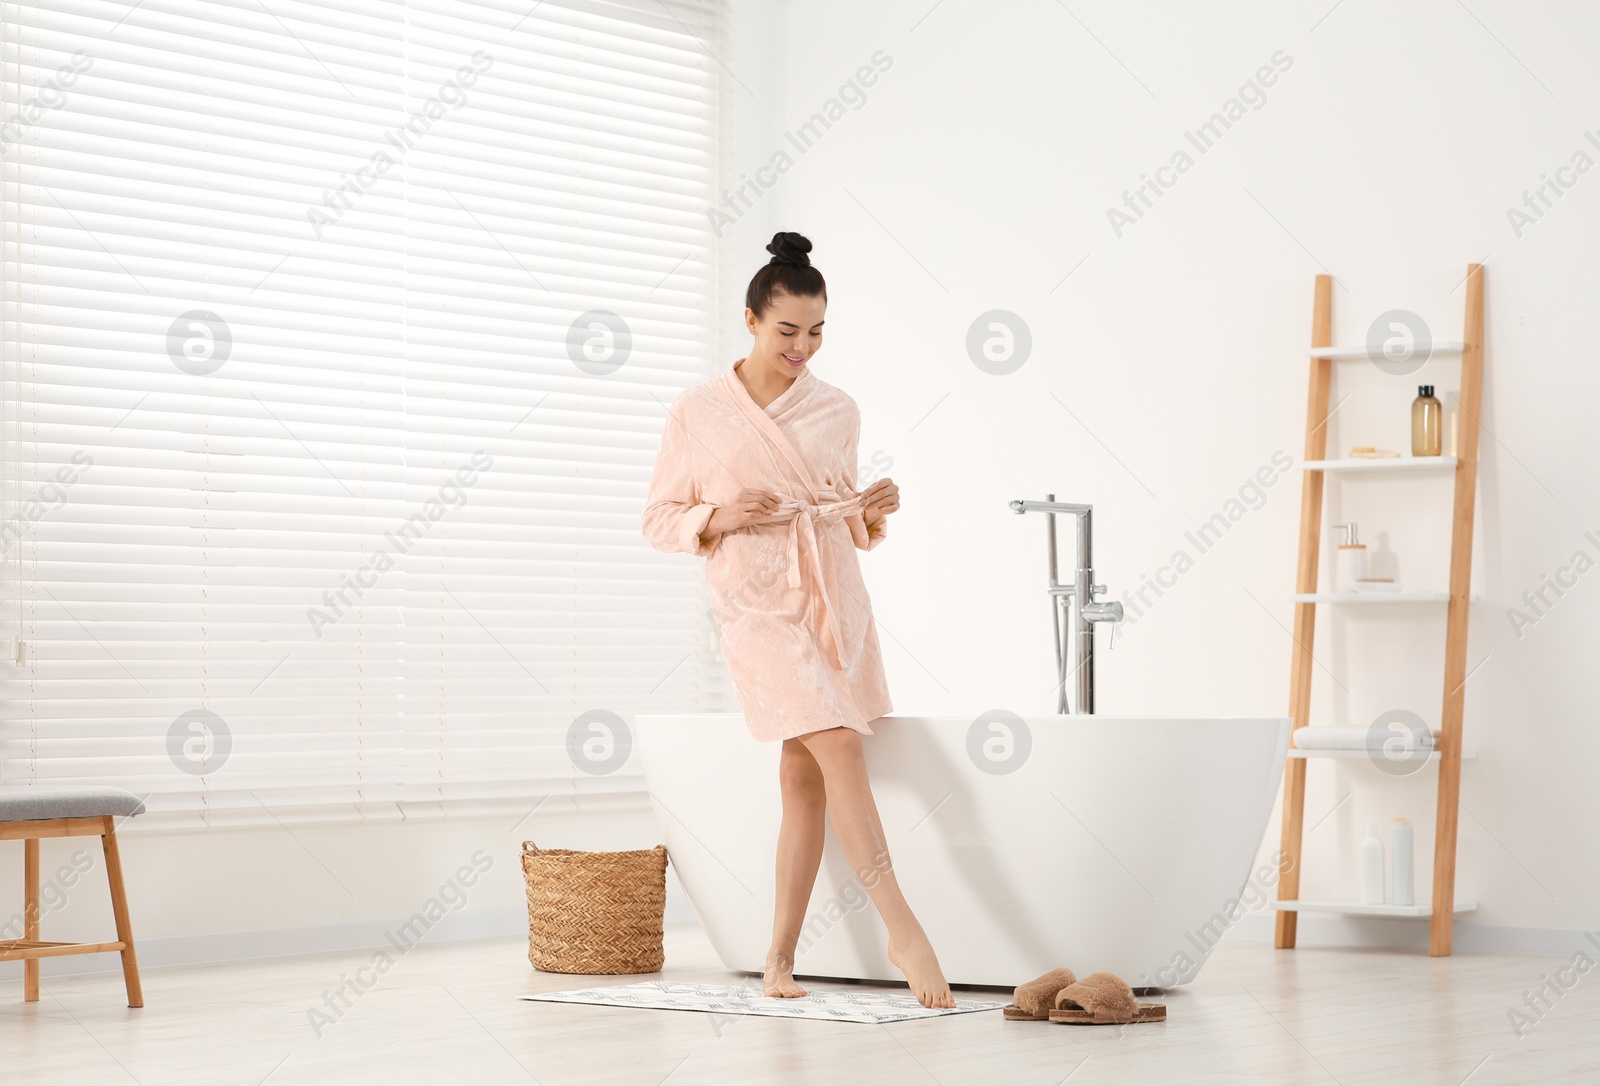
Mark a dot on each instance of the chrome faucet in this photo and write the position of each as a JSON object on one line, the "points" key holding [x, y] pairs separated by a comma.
{"points": [[1081, 592]]}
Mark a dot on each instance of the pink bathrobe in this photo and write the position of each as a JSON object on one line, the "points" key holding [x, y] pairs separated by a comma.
{"points": [[790, 605]]}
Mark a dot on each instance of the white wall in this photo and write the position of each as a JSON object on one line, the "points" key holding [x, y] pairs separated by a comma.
{"points": [[1169, 367], [985, 158]]}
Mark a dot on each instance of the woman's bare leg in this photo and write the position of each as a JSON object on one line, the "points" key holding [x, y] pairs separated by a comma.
{"points": [[799, 857], [856, 824]]}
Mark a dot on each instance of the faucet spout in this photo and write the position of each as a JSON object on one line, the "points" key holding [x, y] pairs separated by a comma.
{"points": [[1020, 506]]}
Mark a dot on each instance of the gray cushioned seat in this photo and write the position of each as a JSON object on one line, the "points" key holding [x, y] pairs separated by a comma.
{"points": [[20, 802]]}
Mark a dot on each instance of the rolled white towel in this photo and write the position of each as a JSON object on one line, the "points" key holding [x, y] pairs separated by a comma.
{"points": [[1335, 737]]}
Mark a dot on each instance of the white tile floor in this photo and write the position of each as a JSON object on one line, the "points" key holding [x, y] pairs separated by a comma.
{"points": [[449, 1013]]}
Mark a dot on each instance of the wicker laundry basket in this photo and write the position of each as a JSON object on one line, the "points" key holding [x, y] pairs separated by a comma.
{"points": [[595, 912]]}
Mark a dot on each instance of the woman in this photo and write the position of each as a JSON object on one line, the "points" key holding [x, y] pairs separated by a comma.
{"points": [[757, 473]]}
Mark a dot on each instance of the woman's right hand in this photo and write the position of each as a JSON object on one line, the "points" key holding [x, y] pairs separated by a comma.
{"points": [[748, 507]]}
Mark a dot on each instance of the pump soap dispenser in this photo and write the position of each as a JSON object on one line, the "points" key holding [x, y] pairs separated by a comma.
{"points": [[1352, 564]]}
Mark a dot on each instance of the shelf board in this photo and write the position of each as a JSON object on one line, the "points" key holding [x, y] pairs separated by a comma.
{"points": [[1392, 463], [1377, 597], [1351, 908], [1467, 754], [1360, 350]]}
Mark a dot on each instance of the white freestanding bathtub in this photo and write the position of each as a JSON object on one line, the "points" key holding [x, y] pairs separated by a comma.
{"points": [[1095, 842]]}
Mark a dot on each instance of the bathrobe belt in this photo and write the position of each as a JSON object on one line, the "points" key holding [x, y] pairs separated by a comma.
{"points": [[804, 522]]}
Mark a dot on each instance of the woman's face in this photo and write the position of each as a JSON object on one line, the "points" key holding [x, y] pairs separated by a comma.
{"points": [[789, 334]]}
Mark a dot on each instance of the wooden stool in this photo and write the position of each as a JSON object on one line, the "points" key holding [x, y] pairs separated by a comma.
{"points": [[31, 812]]}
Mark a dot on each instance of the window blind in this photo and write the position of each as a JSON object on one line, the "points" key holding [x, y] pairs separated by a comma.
{"points": [[338, 340]]}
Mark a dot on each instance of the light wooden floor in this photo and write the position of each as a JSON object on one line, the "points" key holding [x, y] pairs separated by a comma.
{"points": [[448, 1013]]}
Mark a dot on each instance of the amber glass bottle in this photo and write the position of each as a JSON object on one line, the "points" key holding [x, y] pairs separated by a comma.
{"points": [[1427, 416]]}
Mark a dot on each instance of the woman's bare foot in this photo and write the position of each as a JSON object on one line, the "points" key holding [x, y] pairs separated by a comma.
{"points": [[917, 961], [778, 981]]}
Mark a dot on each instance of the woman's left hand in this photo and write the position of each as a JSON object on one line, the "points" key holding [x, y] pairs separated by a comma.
{"points": [[882, 498]]}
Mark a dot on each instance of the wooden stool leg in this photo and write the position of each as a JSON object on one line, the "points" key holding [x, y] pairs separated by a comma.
{"points": [[119, 907], [30, 921]]}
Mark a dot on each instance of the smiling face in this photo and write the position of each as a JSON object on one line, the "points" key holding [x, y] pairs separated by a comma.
{"points": [[788, 335]]}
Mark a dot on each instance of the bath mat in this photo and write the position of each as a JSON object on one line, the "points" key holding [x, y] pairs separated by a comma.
{"points": [[870, 1007]]}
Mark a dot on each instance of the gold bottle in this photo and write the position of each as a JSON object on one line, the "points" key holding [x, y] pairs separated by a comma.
{"points": [[1427, 415]]}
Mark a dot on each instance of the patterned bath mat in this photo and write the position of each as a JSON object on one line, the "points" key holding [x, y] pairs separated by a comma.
{"points": [[871, 1007]]}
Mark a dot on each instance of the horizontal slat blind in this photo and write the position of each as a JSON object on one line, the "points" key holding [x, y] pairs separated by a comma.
{"points": [[316, 506]]}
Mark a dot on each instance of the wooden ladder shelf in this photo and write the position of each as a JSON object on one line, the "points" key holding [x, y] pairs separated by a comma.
{"points": [[1448, 744]]}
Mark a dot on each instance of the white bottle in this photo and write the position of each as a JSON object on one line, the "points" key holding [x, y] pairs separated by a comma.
{"points": [[1372, 867], [1400, 878]]}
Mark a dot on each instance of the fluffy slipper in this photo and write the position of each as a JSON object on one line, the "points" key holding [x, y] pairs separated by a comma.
{"points": [[1031, 1002], [1102, 999]]}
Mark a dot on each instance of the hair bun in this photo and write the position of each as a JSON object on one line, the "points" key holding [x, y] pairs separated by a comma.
{"points": [[789, 248]]}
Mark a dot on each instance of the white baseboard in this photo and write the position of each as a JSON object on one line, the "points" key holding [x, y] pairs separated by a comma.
{"points": [[1469, 937], [355, 935], [366, 935]]}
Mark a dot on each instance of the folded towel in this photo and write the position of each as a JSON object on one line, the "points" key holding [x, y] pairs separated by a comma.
{"points": [[1333, 737]]}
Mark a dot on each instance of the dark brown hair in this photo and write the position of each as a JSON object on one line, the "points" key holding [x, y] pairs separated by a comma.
{"points": [[788, 272]]}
